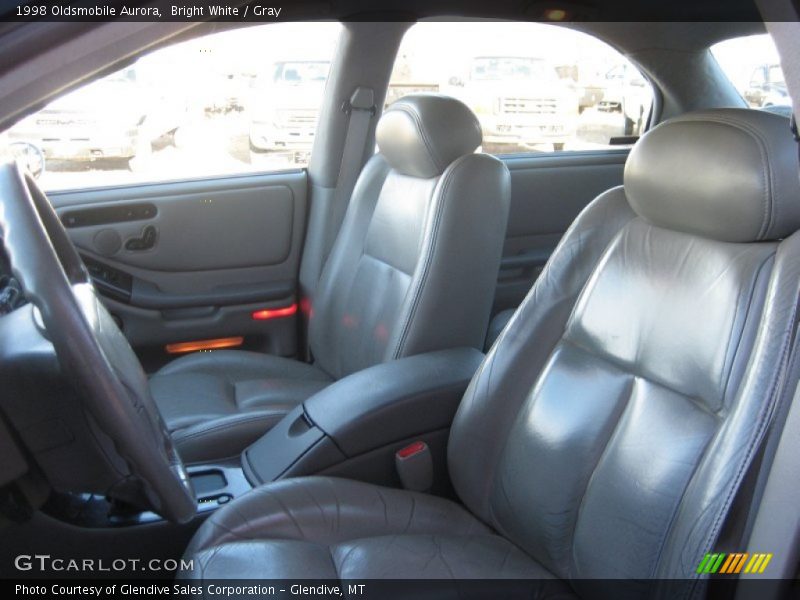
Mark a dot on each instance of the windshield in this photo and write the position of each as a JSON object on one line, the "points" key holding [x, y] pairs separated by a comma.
{"points": [[515, 68], [301, 72]]}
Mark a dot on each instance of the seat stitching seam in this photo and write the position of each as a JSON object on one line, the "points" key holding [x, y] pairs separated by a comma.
{"points": [[333, 562], [178, 436], [625, 369], [751, 448], [417, 120], [383, 262], [612, 434], [430, 249], [750, 300]]}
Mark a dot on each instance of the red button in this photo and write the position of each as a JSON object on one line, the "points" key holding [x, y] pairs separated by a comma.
{"points": [[411, 449]]}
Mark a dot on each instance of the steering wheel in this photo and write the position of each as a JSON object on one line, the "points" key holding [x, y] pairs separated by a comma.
{"points": [[90, 346]]}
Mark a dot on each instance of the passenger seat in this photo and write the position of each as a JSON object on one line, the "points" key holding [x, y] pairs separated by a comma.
{"points": [[608, 430], [412, 270]]}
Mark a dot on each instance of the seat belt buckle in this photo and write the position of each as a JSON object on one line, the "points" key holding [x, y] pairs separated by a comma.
{"points": [[415, 466]]}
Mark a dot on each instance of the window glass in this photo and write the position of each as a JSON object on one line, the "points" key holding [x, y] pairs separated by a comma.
{"points": [[753, 66], [229, 103], [534, 87]]}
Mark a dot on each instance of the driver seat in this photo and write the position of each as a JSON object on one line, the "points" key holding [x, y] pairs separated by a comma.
{"points": [[608, 429]]}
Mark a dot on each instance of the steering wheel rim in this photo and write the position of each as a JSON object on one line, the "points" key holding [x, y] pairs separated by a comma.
{"points": [[89, 345]]}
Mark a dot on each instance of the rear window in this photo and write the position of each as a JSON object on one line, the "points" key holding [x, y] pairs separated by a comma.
{"points": [[753, 66]]}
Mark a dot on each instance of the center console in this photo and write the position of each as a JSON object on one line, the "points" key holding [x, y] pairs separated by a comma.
{"points": [[353, 427]]}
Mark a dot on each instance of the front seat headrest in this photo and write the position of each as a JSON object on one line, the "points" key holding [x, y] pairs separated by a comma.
{"points": [[726, 174], [421, 134]]}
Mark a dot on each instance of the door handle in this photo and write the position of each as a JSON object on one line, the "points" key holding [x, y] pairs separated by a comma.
{"points": [[145, 242]]}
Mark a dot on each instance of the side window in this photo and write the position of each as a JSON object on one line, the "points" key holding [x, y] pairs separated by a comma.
{"points": [[757, 80], [753, 66], [230, 103], [533, 87]]}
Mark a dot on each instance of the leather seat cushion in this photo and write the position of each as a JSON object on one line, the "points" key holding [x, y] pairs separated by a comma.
{"points": [[329, 528], [218, 403]]}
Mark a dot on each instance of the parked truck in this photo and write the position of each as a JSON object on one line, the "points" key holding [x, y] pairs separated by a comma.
{"points": [[284, 107], [118, 117], [767, 87], [521, 102]]}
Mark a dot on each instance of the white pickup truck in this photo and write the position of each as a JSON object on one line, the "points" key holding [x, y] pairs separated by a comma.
{"points": [[285, 106], [521, 102]]}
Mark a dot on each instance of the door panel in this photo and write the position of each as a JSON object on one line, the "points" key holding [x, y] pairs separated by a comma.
{"points": [[193, 260], [547, 193], [193, 231]]}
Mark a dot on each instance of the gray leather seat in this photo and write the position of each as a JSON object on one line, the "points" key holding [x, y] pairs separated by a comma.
{"points": [[607, 430], [413, 269]]}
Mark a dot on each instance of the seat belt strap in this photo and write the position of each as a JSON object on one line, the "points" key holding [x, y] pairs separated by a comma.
{"points": [[782, 25], [360, 109]]}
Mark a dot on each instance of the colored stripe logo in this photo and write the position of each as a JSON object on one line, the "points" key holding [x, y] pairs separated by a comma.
{"points": [[734, 563]]}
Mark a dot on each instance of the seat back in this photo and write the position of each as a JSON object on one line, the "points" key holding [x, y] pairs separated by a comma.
{"points": [[415, 263], [610, 425]]}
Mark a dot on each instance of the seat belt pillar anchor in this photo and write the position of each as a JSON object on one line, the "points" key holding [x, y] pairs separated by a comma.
{"points": [[363, 98]]}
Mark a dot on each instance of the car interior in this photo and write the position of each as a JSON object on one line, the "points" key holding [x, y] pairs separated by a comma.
{"points": [[564, 370]]}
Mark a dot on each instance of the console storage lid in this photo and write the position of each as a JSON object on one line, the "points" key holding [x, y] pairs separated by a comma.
{"points": [[370, 411], [394, 400]]}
